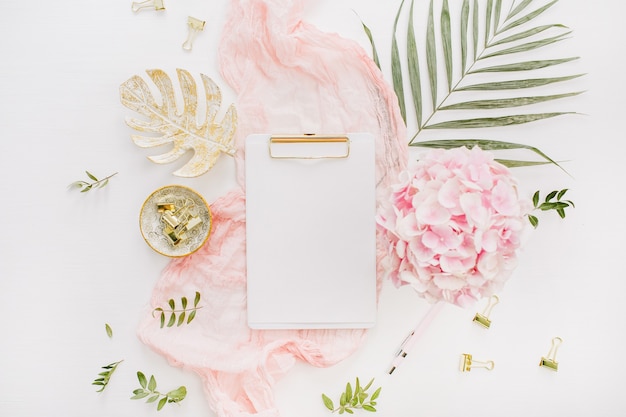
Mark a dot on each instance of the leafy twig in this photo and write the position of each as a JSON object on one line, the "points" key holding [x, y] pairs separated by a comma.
{"points": [[148, 389], [354, 399], [85, 186], [549, 203], [183, 311], [105, 376]]}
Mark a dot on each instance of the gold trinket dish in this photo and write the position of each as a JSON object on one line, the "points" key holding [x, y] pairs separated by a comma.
{"points": [[175, 221]]}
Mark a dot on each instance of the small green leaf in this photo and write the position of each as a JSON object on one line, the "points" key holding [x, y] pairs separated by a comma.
{"points": [[178, 394], [142, 379], [369, 384], [153, 398], [348, 392], [342, 399], [192, 315], [181, 319], [328, 402], [172, 303], [108, 329], [561, 194], [91, 176], [152, 383], [161, 403], [196, 299], [183, 301], [349, 411], [376, 394], [367, 407], [551, 195], [534, 221], [536, 198], [172, 320], [140, 395]]}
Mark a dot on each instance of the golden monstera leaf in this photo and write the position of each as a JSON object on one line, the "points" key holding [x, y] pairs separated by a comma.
{"points": [[182, 129]]}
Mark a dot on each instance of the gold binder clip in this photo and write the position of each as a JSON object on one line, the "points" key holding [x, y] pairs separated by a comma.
{"points": [[483, 318], [467, 363], [549, 361], [155, 4], [194, 26]]}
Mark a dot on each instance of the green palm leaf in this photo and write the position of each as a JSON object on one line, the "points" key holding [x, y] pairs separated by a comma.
{"points": [[483, 27], [510, 36]]}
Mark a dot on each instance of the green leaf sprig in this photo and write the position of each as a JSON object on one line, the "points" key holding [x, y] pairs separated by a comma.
{"points": [[85, 186], [103, 377], [148, 390], [177, 316], [352, 399], [550, 203]]}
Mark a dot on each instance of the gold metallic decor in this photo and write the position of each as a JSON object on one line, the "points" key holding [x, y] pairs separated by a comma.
{"points": [[175, 221], [194, 26], [168, 125], [468, 363], [549, 361], [483, 318]]}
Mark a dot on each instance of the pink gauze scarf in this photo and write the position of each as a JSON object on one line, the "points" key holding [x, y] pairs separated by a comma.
{"points": [[289, 77]]}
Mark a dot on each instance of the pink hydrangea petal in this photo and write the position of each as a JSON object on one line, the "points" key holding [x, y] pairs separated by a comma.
{"points": [[431, 212], [449, 282]]}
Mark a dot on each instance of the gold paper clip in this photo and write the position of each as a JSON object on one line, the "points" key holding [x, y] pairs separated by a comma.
{"points": [[549, 361], [194, 26], [156, 4], [483, 318], [467, 363]]}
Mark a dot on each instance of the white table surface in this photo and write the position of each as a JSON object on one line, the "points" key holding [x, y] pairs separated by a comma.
{"points": [[70, 262]]}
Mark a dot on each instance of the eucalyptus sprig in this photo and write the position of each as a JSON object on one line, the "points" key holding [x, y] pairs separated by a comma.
{"points": [[103, 377], [182, 312], [85, 186], [148, 390], [352, 399], [550, 203]]}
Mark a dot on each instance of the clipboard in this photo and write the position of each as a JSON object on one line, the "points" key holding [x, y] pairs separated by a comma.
{"points": [[310, 231]]}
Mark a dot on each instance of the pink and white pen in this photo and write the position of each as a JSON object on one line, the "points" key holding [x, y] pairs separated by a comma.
{"points": [[415, 334]]}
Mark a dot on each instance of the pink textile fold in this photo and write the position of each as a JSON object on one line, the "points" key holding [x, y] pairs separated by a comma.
{"points": [[289, 77]]}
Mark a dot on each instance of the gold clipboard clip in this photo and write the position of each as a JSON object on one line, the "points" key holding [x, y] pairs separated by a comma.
{"points": [[309, 138]]}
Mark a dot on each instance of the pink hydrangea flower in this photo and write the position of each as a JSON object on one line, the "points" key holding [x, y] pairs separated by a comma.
{"points": [[455, 223]]}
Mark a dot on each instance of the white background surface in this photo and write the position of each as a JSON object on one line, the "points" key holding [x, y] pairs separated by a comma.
{"points": [[71, 262]]}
